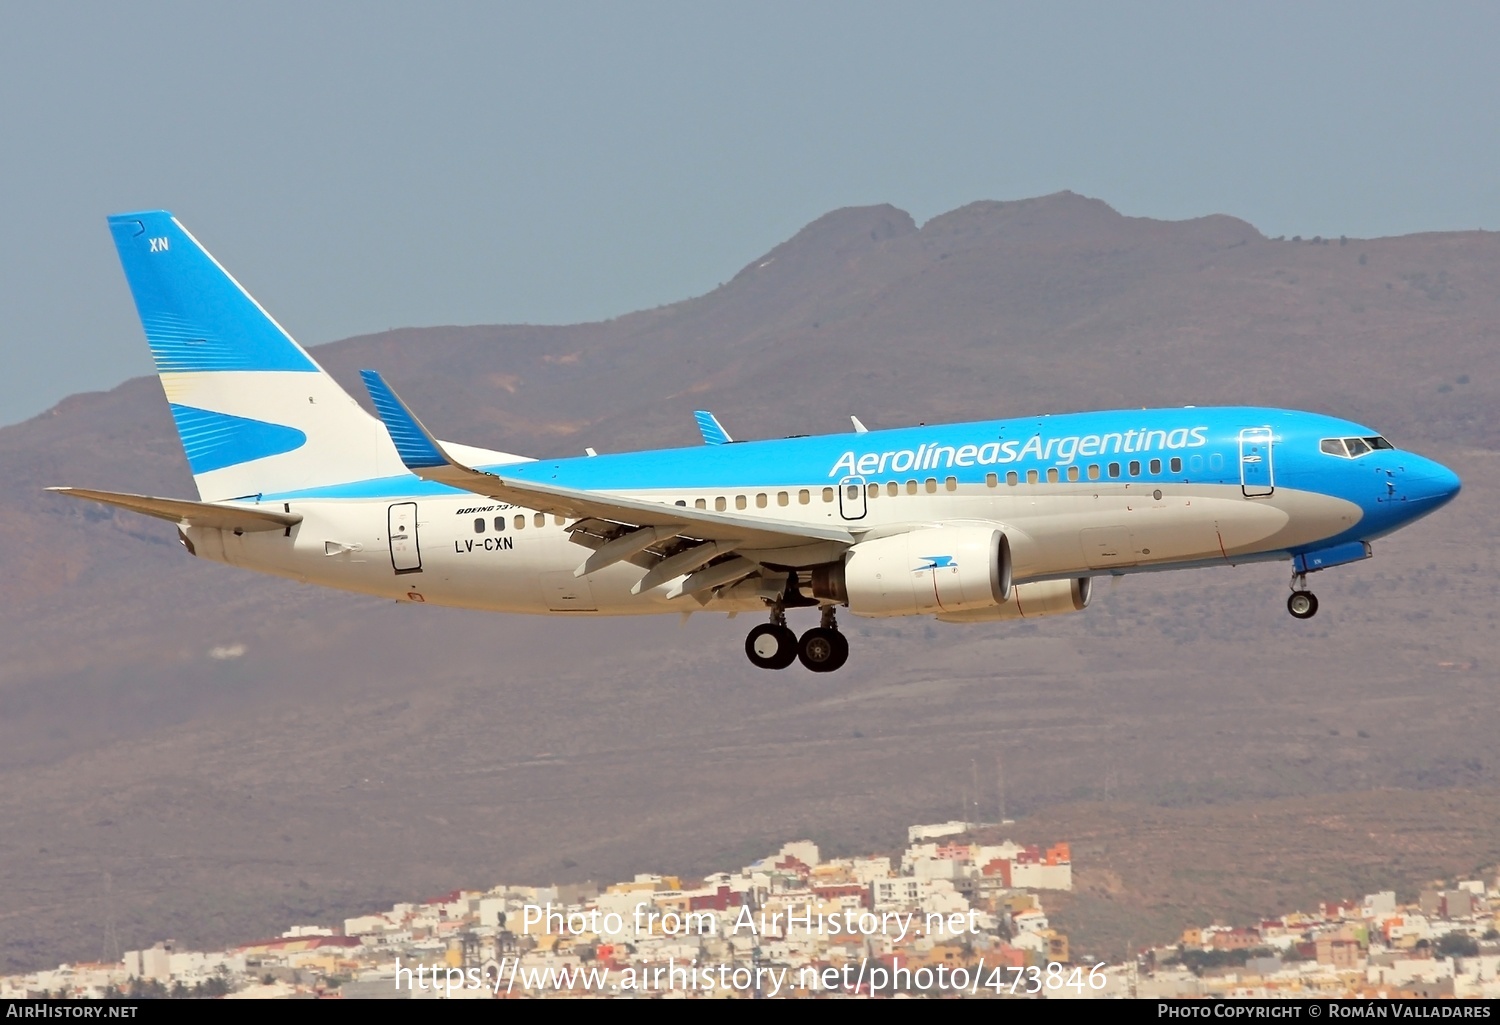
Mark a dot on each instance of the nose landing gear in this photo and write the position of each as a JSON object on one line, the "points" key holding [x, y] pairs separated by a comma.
{"points": [[1302, 604], [773, 645]]}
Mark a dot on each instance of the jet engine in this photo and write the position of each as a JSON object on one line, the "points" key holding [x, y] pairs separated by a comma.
{"points": [[1031, 601], [927, 570]]}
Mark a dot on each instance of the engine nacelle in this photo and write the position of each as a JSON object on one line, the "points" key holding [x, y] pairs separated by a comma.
{"points": [[927, 570], [1031, 601]]}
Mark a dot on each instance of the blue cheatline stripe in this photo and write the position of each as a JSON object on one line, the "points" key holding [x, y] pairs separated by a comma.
{"points": [[213, 440], [195, 315], [708, 424], [412, 443]]}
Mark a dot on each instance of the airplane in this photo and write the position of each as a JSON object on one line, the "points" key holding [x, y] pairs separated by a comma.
{"points": [[970, 523]]}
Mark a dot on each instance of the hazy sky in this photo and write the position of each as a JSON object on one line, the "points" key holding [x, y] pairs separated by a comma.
{"points": [[365, 166]]}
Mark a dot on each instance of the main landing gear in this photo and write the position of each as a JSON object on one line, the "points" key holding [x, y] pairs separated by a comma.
{"points": [[773, 645], [1302, 604]]}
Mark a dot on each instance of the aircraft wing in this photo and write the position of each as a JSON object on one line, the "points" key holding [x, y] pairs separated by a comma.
{"points": [[193, 514], [425, 456]]}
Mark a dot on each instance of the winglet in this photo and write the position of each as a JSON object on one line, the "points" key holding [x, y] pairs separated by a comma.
{"points": [[713, 432], [418, 449], [859, 428]]}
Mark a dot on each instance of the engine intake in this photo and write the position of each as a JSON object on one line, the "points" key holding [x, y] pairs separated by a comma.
{"points": [[923, 571]]}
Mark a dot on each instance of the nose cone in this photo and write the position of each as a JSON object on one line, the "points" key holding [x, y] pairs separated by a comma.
{"points": [[1432, 484]]}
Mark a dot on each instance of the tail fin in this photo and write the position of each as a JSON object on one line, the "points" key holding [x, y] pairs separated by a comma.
{"points": [[255, 413]]}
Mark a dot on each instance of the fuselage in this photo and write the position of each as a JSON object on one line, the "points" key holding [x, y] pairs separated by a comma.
{"points": [[1080, 494]]}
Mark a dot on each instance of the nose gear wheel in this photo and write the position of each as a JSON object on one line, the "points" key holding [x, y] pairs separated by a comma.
{"points": [[1302, 604]]}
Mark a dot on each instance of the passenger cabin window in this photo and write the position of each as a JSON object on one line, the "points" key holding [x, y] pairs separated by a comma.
{"points": [[782, 498], [1051, 475], [991, 480], [892, 489], [760, 501], [1031, 477], [828, 494], [520, 522], [479, 525], [932, 485], [804, 496], [911, 487], [873, 490], [1072, 473], [701, 503], [721, 503], [951, 483], [1012, 479], [1114, 469], [540, 519], [1156, 466], [1135, 467], [739, 501], [1176, 464], [1093, 471]]}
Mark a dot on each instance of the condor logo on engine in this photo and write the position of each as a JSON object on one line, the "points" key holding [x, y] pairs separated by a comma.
{"points": [[890, 576]]}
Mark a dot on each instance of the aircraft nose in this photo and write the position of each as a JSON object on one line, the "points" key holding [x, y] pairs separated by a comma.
{"points": [[1434, 482]]}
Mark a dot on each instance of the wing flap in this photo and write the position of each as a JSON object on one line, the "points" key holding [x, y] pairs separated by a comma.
{"points": [[193, 514]]}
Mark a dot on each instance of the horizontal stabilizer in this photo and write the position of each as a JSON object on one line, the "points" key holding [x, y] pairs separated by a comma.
{"points": [[192, 514]]}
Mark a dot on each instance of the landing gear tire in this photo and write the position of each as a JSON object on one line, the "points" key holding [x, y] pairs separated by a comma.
{"points": [[823, 650], [772, 646], [1302, 604]]}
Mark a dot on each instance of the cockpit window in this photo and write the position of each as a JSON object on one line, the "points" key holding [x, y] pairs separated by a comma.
{"points": [[1352, 448]]}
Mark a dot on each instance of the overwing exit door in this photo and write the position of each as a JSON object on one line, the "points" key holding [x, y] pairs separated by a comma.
{"points": [[852, 498]]}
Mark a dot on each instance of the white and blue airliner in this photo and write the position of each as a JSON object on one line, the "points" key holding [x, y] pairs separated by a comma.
{"points": [[970, 522]]}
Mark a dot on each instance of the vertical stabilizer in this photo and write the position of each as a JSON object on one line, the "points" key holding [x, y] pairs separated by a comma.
{"points": [[256, 414]]}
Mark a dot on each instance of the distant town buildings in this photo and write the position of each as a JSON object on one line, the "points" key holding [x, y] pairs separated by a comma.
{"points": [[1445, 944], [794, 923], [949, 915]]}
